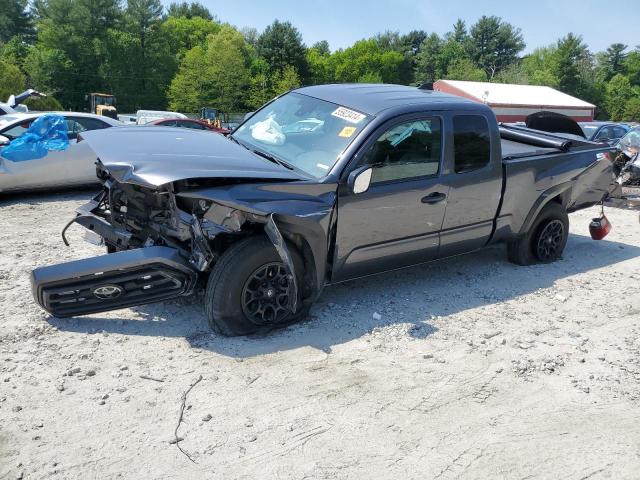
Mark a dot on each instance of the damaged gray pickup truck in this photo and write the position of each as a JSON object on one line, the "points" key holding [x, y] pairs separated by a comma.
{"points": [[323, 184]]}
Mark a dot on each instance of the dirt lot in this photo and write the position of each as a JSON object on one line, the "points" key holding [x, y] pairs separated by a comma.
{"points": [[466, 368]]}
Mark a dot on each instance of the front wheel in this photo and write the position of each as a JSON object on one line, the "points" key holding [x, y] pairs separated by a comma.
{"points": [[545, 240], [249, 289]]}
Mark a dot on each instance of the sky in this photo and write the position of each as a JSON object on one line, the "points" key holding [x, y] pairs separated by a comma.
{"points": [[342, 22]]}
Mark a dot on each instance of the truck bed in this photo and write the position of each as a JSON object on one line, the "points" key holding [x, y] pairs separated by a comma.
{"points": [[512, 149], [522, 142], [574, 170]]}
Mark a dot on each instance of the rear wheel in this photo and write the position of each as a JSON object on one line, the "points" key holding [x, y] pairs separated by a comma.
{"points": [[545, 240], [249, 289]]}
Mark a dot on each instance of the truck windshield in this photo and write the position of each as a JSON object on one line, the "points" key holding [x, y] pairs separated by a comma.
{"points": [[305, 132]]}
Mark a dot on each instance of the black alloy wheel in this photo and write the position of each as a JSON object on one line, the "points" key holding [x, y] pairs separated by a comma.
{"points": [[550, 241], [265, 296]]}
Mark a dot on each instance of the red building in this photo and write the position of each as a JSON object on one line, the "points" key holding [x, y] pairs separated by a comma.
{"points": [[512, 103]]}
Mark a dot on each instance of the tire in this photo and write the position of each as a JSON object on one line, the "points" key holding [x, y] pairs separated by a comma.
{"points": [[229, 283], [545, 240]]}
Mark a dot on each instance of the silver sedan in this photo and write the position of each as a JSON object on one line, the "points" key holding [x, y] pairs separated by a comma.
{"points": [[73, 166]]}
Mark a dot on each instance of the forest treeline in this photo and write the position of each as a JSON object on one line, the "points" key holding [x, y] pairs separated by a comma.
{"points": [[182, 58]]}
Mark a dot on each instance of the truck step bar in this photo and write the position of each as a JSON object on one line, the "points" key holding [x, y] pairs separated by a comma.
{"points": [[113, 281]]}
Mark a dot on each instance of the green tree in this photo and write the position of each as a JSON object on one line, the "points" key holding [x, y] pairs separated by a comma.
{"points": [[494, 44], [320, 65], [366, 60], [72, 38], [217, 74], [632, 110], [251, 36], [540, 67], [459, 33], [45, 67], [281, 45], [631, 66], [611, 61], [286, 80], [322, 47], [570, 61], [259, 91], [12, 80], [15, 51], [428, 68], [15, 19], [514, 73], [43, 104], [140, 64], [183, 33], [188, 10], [464, 69], [618, 93]]}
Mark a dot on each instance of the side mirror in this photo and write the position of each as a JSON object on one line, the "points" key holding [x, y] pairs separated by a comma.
{"points": [[360, 179], [4, 141]]}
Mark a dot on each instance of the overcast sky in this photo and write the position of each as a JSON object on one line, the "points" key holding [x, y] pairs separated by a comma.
{"points": [[342, 22]]}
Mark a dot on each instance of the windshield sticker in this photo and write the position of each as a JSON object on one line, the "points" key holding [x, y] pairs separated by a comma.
{"points": [[348, 115], [322, 166], [346, 132]]}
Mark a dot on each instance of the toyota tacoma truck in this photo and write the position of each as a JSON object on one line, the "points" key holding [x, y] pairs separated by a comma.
{"points": [[323, 184]]}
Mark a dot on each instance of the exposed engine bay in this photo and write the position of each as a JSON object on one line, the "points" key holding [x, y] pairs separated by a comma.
{"points": [[130, 216]]}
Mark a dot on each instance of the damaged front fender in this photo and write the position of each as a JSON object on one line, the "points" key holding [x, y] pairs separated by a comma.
{"points": [[277, 239], [303, 213]]}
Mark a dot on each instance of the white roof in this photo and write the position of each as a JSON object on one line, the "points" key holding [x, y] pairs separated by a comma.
{"points": [[19, 117], [517, 95]]}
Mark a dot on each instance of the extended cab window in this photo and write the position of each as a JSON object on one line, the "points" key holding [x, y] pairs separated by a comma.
{"points": [[471, 141], [408, 150]]}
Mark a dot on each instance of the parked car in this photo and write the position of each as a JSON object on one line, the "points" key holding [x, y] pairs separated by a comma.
{"points": [[189, 123], [71, 167], [604, 132], [395, 176], [147, 116], [627, 162], [128, 118]]}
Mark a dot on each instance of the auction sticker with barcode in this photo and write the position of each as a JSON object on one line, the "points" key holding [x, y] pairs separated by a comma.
{"points": [[348, 115]]}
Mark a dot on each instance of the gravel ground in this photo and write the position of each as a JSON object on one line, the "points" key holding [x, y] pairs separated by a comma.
{"points": [[465, 368]]}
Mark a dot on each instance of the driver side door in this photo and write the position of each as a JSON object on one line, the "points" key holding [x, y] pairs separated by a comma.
{"points": [[397, 220]]}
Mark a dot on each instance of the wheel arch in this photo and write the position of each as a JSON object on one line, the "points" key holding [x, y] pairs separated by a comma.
{"points": [[560, 194]]}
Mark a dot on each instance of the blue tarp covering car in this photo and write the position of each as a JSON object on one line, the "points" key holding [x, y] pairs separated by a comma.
{"points": [[48, 132]]}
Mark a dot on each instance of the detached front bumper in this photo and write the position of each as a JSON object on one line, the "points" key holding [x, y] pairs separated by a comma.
{"points": [[113, 281]]}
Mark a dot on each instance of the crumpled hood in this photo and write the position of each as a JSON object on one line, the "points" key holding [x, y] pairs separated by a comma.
{"points": [[154, 156]]}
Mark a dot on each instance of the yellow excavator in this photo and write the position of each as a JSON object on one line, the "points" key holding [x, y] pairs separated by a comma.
{"points": [[102, 104]]}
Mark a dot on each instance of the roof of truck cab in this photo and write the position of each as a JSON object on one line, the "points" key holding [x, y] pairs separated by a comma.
{"points": [[374, 98]]}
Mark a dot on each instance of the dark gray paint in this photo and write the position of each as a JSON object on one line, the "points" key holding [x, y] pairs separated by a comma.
{"points": [[343, 235], [154, 156]]}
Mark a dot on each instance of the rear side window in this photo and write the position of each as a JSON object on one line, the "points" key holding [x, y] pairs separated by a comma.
{"points": [[89, 123], [193, 125], [619, 132], [471, 141]]}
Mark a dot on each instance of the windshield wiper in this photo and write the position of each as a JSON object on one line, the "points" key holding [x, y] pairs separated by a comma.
{"points": [[266, 155], [273, 159], [233, 139]]}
